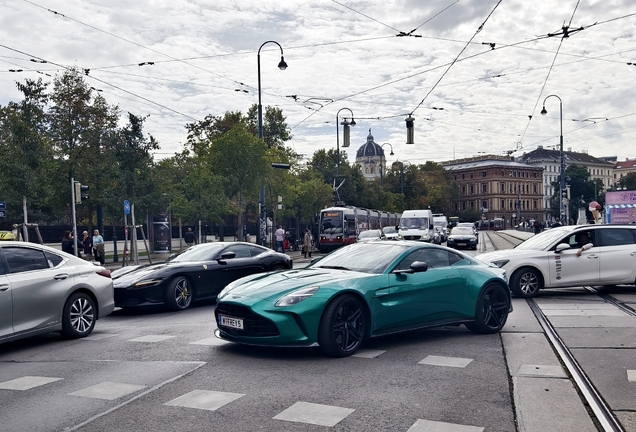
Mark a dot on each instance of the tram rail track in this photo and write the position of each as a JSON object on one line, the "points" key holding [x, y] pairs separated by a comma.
{"points": [[602, 412]]}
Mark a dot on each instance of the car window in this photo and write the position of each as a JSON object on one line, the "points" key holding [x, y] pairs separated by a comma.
{"points": [[54, 260], [575, 240], [616, 237], [255, 251], [405, 264], [241, 251], [25, 259], [435, 258], [454, 258]]}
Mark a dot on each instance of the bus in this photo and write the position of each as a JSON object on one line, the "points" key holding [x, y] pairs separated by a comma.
{"points": [[340, 226], [453, 221]]}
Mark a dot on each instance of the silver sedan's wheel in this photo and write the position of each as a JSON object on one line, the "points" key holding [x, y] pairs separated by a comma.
{"points": [[78, 316], [179, 293], [526, 282]]}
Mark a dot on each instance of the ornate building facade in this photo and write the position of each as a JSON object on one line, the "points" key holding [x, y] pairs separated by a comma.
{"points": [[370, 158], [498, 187]]}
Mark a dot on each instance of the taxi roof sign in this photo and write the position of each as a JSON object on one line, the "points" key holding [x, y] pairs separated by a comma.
{"points": [[6, 235]]}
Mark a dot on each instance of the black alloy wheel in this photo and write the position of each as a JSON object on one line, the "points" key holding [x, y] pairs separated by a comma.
{"points": [[342, 327], [179, 294], [491, 310], [78, 316], [526, 282]]}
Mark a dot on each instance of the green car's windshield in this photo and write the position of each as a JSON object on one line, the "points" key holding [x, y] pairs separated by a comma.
{"points": [[373, 257], [198, 253], [543, 240]]}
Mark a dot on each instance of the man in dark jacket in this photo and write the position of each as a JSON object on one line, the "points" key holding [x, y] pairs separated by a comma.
{"points": [[189, 237]]}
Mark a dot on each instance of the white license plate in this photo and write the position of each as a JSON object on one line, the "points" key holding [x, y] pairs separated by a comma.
{"points": [[236, 323], [461, 244]]}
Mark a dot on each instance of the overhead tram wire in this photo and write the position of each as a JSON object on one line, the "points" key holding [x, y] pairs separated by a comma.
{"points": [[103, 82], [129, 41]]}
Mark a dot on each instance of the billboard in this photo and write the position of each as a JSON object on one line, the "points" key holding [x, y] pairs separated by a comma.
{"points": [[161, 233], [620, 207]]}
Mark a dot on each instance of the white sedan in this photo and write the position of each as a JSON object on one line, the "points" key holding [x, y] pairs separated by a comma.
{"points": [[559, 257]]}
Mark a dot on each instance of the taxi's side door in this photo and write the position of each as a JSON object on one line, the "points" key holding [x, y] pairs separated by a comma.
{"points": [[568, 269], [618, 255]]}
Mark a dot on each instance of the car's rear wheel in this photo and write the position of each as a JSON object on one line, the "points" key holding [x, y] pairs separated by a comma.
{"points": [[526, 282], [491, 310], [78, 316], [342, 326], [179, 294]]}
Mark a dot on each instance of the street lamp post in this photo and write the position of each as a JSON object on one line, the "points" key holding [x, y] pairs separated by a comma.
{"points": [[562, 162], [382, 165], [263, 211], [402, 176], [346, 138]]}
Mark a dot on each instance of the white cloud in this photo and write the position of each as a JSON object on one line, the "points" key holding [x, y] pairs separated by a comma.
{"points": [[336, 53]]}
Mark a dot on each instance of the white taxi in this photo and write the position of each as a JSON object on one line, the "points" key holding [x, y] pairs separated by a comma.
{"points": [[562, 257]]}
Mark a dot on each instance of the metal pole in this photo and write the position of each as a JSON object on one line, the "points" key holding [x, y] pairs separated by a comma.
{"points": [[125, 260], [562, 178], [74, 218]]}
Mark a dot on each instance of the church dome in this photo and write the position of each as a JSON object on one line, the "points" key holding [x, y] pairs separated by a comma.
{"points": [[370, 148]]}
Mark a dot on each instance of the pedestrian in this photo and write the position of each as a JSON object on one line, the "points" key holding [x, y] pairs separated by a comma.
{"points": [[307, 243], [98, 247], [280, 238], [189, 237], [537, 227], [87, 243], [68, 244]]}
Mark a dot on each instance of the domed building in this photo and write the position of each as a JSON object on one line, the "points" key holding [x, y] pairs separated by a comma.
{"points": [[370, 158]]}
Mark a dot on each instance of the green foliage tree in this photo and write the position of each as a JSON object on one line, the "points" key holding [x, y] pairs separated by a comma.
{"points": [[581, 187], [469, 215], [628, 181]]}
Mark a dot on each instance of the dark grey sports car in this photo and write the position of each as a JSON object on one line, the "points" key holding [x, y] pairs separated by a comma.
{"points": [[200, 272]]}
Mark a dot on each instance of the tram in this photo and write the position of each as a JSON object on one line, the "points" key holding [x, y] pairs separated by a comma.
{"points": [[339, 226], [498, 224]]}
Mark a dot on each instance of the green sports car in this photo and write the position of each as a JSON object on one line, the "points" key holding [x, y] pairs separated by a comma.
{"points": [[361, 291]]}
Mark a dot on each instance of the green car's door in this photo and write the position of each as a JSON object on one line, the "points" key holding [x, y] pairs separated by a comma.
{"points": [[428, 296]]}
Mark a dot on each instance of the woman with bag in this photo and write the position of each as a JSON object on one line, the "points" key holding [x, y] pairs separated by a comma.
{"points": [[98, 247], [307, 244]]}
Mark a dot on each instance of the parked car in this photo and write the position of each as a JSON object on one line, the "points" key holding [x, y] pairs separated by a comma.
{"points": [[361, 291], [199, 272], [391, 233], [557, 258], [462, 237], [45, 290], [371, 235]]}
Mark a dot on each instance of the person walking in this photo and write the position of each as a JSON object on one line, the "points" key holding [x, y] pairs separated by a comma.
{"points": [[537, 227], [189, 237], [98, 247], [68, 245], [307, 243], [280, 238], [87, 244]]}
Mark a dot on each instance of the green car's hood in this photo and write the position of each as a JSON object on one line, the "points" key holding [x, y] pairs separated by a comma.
{"points": [[275, 285]]}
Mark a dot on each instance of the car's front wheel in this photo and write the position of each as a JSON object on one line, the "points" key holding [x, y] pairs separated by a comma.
{"points": [[78, 316], [342, 326], [526, 282], [491, 310], [179, 294]]}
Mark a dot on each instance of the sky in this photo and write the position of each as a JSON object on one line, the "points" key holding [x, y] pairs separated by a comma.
{"points": [[474, 74]]}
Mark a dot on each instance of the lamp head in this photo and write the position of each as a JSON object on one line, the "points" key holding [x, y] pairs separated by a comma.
{"points": [[282, 65], [543, 111], [392, 152], [353, 121]]}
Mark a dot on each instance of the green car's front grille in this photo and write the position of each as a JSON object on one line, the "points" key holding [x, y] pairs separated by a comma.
{"points": [[254, 325]]}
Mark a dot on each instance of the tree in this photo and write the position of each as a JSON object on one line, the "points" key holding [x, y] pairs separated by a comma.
{"points": [[27, 165], [628, 181], [239, 158]]}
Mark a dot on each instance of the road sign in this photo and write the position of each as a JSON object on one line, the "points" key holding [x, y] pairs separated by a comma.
{"points": [[3, 214], [126, 207], [3, 205]]}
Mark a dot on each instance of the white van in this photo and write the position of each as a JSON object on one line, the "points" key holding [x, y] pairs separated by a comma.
{"points": [[441, 223], [416, 225]]}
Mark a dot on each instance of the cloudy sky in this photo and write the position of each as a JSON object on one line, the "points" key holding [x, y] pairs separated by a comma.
{"points": [[473, 73]]}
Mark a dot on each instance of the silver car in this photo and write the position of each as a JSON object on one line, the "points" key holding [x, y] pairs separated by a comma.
{"points": [[43, 290]]}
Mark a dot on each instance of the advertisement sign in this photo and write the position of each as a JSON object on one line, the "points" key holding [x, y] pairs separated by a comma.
{"points": [[161, 233], [620, 207]]}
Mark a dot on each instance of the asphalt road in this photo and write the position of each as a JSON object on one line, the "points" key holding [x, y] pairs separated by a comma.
{"points": [[151, 370]]}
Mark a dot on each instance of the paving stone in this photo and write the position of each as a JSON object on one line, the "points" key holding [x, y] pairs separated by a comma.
{"points": [[213, 341], [521, 319], [593, 321], [27, 382], [323, 415], [599, 337], [584, 312], [204, 399], [446, 361], [545, 371], [100, 336]]}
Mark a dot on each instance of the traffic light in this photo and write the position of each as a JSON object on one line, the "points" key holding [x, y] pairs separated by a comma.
{"points": [[410, 132], [79, 192]]}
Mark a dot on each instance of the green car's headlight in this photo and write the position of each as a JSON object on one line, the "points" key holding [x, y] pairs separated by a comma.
{"points": [[501, 263], [296, 296]]}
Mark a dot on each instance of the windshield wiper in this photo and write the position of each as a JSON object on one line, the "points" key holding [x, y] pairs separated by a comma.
{"points": [[334, 267]]}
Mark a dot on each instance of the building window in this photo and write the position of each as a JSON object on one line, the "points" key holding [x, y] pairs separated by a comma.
{"points": [[472, 189], [463, 190], [372, 170], [472, 204], [535, 204], [484, 204], [463, 176], [503, 204], [471, 175], [483, 174], [484, 187]]}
